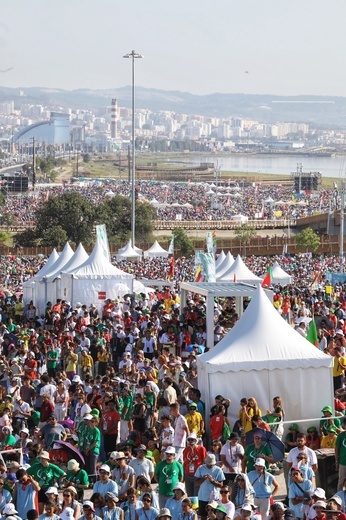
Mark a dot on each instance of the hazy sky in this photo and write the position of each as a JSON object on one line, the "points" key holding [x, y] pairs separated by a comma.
{"points": [[199, 46]]}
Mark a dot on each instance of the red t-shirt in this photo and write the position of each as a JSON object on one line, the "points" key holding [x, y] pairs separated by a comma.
{"points": [[108, 419], [193, 458]]}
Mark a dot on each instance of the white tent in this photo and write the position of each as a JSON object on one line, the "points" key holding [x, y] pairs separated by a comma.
{"points": [[54, 281], [41, 297], [220, 259], [263, 356], [49, 280], [29, 285], [156, 251], [279, 276], [238, 272], [128, 252], [94, 280], [122, 249], [225, 266]]}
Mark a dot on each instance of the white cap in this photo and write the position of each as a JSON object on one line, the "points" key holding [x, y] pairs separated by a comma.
{"points": [[170, 449], [52, 489], [260, 462], [9, 509]]}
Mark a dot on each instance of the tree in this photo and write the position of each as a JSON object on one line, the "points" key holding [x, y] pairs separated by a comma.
{"points": [[55, 237], [27, 238], [245, 233], [308, 240], [183, 242], [71, 212]]}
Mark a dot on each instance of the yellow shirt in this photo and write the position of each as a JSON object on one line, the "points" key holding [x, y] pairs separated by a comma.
{"points": [[194, 423], [337, 369], [328, 442]]}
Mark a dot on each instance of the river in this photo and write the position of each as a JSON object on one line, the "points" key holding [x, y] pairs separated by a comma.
{"points": [[273, 164]]}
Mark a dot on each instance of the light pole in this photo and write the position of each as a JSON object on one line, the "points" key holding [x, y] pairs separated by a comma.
{"points": [[133, 55]]}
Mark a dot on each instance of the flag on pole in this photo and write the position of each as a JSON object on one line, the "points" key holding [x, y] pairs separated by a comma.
{"points": [[171, 268], [312, 333], [198, 274], [214, 241], [171, 246], [267, 280]]}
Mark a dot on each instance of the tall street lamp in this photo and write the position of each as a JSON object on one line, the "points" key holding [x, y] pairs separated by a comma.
{"points": [[133, 55]]}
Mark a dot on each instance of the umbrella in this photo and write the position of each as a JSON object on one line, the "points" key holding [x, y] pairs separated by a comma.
{"points": [[268, 439], [75, 454], [201, 348]]}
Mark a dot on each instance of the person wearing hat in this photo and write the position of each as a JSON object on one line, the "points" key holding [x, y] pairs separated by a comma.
{"points": [[105, 484], [174, 503], [111, 511], [88, 511], [10, 512], [21, 414], [319, 508], [70, 501], [46, 475], [209, 478], [8, 440], [256, 450], [67, 514], [313, 440], [123, 474], [76, 477], [193, 457], [297, 489], [52, 431], [168, 473], [264, 485], [291, 437], [141, 465], [89, 442], [328, 420], [335, 504], [25, 491], [221, 512], [232, 453], [329, 440], [339, 367], [194, 420]]}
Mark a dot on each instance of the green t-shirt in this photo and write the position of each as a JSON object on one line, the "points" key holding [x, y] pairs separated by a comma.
{"points": [[324, 424], [52, 359], [92, 435], [81, 477], [149, 399], [341, 438], [8, 441], [253, 453], [127, 408], [46, 476], [168, 476]]}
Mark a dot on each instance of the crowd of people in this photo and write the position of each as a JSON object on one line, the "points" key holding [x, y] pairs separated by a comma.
{"points": [[107, 403], [189, 200]]}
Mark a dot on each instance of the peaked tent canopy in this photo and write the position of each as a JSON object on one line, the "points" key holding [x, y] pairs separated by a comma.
{"points": [[156, 251], [226, 264], [94, 280], [122, 249], [41, 295], [48, 266], [238, 272], [128, 252], [220, 259], [265, 354], [29, 286], [279, 276]]}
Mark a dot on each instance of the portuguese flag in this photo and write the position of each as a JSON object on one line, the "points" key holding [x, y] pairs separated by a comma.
{"points": [[267, 280]]}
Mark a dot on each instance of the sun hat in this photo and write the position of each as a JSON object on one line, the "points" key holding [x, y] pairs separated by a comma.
{"points": [[72, 465], [221, 508], [179, 485], [9, 509], [213, 504], [319, 503], [43, 455], [170, 450], [87, 417], [260, 462], [164, 512], [141, 447], [294, 426], [210, 460], [52, 489], [312, 429], [120, 455], [336, 499], [192, 435], [88, 503], [105, 467], [246, 507], [192, 405], [327, 409], [111, 496], [24, 430], [320, 493]]}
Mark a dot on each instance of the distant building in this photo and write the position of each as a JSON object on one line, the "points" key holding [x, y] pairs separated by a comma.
{"points": [[54, 131]]}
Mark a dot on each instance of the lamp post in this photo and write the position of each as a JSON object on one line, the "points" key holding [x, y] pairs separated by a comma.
{"points": [[133, 55]]}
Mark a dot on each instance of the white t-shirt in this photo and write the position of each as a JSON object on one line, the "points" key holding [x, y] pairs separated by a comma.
{"points": [[293, 454], [180, 428], [231, 453]]}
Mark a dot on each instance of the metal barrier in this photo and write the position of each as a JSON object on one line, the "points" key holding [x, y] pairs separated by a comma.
{"points": [[222, 224]]}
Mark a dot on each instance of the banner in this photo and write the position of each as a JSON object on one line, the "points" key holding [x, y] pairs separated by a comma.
{"points": [[171, 246], [214, 241], [101, 235], [208, 262], [209, 240], [199, 265]]}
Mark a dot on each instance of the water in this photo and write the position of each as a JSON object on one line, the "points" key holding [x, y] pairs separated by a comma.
{"points": [[273, 164]]}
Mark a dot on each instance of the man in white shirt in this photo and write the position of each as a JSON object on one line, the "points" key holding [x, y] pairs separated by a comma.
{"points": [[181, 430], [292, 459], [232, 454], [142, 466]]}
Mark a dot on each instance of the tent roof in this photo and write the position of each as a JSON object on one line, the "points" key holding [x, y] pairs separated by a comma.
{"points": [[219, 289], [65, 256], [240, 271], [226, 264], [78, 259], [48, 266], [280, 276], [122, 249], [156, 248], [262, 340], [128, 252], [220, 259], [98, 266]]}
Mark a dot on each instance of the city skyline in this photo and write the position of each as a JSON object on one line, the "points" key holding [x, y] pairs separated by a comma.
{"points": [[275, 47]]}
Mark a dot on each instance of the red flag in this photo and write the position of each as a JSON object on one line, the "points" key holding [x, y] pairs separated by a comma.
{"points": [[267, 280], [171, 268]]}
